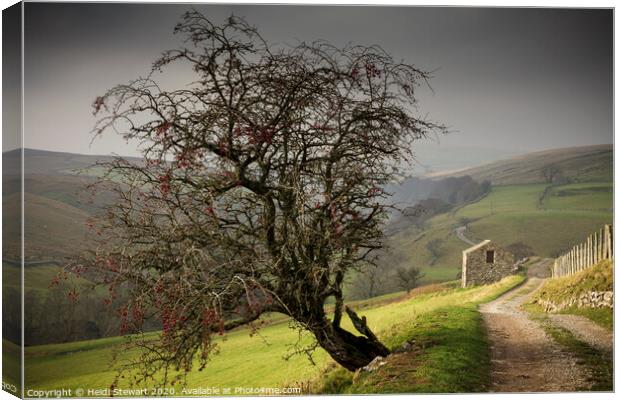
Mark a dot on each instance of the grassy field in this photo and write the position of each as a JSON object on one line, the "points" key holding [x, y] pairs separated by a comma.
{"points": [[52, 228], [257, 361], [10, 364], [450, 352], [580, 197], [509, 214], [37, 277], [445, 322]]}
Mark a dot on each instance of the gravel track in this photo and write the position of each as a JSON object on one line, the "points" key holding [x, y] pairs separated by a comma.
{"points": [[524, 357]]}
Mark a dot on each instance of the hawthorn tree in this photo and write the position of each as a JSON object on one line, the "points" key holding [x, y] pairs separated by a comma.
{"points": [[259, 189], [408, 277]]}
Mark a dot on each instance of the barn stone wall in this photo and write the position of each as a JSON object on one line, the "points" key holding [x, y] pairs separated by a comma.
{"points": [[476, 269]]}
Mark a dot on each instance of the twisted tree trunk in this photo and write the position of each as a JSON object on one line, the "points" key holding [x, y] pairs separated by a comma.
{"points": [[349, 350]]}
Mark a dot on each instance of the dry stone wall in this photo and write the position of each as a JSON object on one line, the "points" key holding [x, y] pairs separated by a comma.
{"points": [[584, 300]]}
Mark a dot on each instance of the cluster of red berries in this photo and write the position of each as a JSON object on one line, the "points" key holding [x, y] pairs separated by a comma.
{"points": [[163, 128], [374, 191], [188, 158], [210, 210], [256, 136], [211, 318], [164, 184], [168, 321], [372, 71], [73, 295]]}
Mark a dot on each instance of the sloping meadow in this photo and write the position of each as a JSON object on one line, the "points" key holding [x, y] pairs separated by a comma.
{"points": [[444, 326]]}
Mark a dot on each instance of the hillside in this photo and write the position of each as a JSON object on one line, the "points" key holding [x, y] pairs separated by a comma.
{"points": [[49, 162], [508, 215], [56, 203], [521, 210], [55, 220], [52, 227], [257, 360], [580, 164], [444, 322]]}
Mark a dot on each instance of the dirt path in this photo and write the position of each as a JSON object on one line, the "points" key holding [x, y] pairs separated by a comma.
{"points": [[524, 358], [460, 233], [585, 330]]}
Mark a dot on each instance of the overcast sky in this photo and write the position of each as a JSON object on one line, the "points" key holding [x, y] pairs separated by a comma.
{"points": [[511, 79]]}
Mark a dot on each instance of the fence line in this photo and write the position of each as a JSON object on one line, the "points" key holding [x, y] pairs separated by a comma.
{"points": [[597, 247]]}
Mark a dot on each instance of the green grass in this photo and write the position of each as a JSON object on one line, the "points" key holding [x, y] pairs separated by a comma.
{"points": [[448, 341], [250, 361], [511, 214], [580, 196], [450, 349], [505, 199], [11, 368], [598, 278], [35, 278], [39, 277], [601, 316]]}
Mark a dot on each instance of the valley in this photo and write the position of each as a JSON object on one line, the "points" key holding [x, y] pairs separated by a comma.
{"points": [[520, 211]]}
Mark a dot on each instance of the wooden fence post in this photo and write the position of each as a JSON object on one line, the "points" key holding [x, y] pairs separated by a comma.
{"points": [[601, 239], [588, 244], [607, 243], [565, 268], [602, 249], [590, 258], [604, 240], [595, 247], [611, 242]]}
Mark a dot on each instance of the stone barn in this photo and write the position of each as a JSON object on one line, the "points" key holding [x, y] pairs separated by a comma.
{"points": [[485, 263]]}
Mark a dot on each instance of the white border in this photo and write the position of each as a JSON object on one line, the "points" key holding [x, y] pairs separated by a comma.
{"points": [[470, 3]]}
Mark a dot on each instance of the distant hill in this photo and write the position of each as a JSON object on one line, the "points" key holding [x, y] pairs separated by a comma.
{"points": [[56, 204], [50, 162], [56, 209], [53, 229], [434, 156], [578, 164]]}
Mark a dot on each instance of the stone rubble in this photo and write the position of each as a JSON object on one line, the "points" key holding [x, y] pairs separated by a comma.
{"points": [[375, 364], [585, 300]]}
